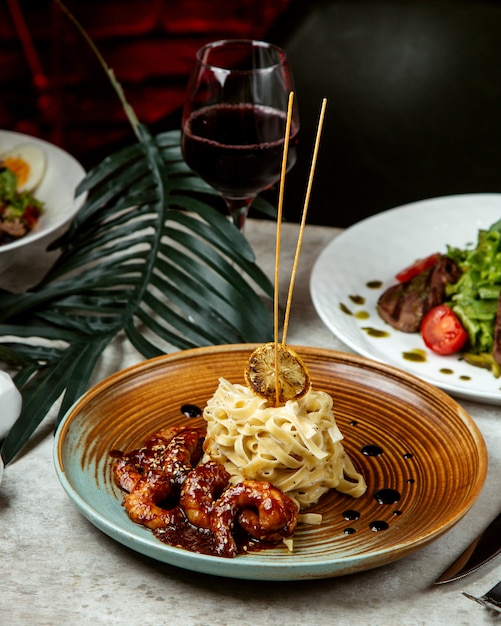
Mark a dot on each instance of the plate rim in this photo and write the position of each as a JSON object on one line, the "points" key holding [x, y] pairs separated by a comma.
{"points": [[211, 564]]}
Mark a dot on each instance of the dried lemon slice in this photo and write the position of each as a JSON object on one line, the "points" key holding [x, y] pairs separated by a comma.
{"points": [[293, 377]]}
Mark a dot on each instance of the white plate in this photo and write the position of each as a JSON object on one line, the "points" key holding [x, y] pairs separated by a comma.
{"points": [[56, 190], [378, 247]]}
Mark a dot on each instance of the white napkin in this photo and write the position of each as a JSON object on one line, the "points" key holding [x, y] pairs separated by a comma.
{"points": [[10, 407]]}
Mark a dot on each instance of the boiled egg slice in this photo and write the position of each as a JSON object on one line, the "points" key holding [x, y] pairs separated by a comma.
{"points": [[28, 162]]}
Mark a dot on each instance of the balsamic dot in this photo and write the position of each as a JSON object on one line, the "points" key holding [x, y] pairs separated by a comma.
{"points": [[353, 423], [387, 496], [378, 525], [372, 450], [349, 531], [351, 515], [410, 481], [408, 455], [397, 512], [191, 410]]}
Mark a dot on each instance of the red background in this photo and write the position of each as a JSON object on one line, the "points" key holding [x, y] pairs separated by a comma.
{"points": [[53, 87]]}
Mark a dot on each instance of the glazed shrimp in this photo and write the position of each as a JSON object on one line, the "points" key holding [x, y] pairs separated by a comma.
{"points": [[171, 449], [182, 453], [129, 468], [200, 490], [264, 511], [142, 502], [155, 472]]}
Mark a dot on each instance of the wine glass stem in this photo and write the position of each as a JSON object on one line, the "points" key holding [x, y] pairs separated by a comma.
{"points": [[238, 209]]}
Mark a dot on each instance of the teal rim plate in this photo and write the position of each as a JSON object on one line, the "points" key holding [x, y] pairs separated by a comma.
{"points": [[402, 434]]}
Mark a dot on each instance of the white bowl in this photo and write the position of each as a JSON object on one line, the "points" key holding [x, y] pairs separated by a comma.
{"points": [[24, 262]]}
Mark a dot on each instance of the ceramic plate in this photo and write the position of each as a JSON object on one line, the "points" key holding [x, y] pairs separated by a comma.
{"points": [[430, 452], [373, 251], [57, 187], [56, 190]]}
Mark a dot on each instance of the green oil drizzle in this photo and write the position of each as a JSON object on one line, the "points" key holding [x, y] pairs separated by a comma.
{"points": [[446, 370], [374, 284], [375, 332], [416, 356], [357, 299], [362, 315], [345, 309]]}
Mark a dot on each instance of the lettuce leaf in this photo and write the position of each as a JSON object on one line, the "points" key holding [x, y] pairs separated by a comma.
{"points": [[474, 298]]}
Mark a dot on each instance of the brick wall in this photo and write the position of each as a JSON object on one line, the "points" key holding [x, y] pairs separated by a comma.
{"points": [[52, 86]]}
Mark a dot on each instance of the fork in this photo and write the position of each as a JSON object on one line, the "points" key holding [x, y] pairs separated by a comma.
{"points": [[491, 599]]}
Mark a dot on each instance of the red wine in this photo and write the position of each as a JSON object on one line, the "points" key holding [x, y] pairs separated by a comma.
{"points": [[237, 149]]}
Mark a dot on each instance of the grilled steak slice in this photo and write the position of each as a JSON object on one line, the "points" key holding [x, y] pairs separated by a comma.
{"points": [[404, 305], [444, 272]]}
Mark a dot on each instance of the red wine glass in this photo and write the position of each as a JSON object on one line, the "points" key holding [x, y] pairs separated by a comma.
{"points": [[235, 117]]}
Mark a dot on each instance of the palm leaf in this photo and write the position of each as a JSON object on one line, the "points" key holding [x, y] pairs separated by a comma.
{"points": [[147, 256]]}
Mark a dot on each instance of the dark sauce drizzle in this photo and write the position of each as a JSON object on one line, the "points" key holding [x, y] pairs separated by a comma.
{"points": [[191, 410], [351, 515], [385, 496], [372, 450]]}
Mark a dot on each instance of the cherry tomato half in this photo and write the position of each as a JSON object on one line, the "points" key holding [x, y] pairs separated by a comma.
{"points": [[441, 330], [31, 215], [417, 267]]}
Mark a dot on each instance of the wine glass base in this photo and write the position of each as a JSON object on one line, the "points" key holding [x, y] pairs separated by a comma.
{"points": [[238, 209]]}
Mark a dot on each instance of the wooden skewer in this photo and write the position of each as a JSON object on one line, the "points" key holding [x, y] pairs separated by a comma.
{"points": [[303, 220], [277, 245], [300, 237]]}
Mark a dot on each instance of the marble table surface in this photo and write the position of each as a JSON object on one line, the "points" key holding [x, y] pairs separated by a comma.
{"points": [[58, 569]]}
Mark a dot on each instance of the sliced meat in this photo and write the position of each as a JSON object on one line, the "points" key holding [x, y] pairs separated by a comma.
{"points": [[444, 272], [404, 305]]}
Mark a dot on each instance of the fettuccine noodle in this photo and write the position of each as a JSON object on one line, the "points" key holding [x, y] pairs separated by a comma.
{"points": [[297, 447]]}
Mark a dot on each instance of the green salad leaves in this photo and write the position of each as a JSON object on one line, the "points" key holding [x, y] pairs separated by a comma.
{"points": [[15, 201], [474, 298]]}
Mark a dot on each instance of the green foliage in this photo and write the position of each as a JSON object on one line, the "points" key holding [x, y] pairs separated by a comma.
{"points": [[474, 297], [147, 255]]}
